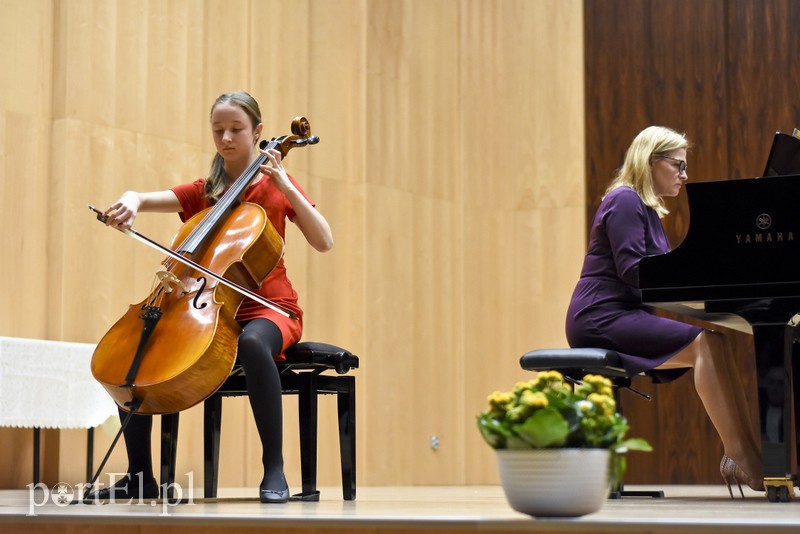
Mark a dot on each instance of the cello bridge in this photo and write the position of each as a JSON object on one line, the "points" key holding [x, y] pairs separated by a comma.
{"points": [[168, 281]]}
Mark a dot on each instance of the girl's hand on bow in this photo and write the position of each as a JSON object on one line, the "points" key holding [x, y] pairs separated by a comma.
{"points": [[122, 213]]}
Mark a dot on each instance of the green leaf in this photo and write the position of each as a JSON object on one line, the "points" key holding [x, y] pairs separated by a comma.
{"points": [[545, 428], [617, 467], [633, 444], [493, 432]]}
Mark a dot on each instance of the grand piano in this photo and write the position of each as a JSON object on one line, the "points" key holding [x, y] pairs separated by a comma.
{"points": [[739, 266]]}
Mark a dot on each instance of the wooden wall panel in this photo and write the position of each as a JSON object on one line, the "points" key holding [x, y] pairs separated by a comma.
{"points": [[27, 56], [762, 81], [24, 144], [410, 198], [450, 167], [159, 70], [522, 166], [24, 268], [706, 68], [23, 174], [84, 62], [26, 34]]}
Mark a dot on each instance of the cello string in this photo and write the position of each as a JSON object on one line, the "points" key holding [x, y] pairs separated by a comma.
{"points": [[226, 202]]}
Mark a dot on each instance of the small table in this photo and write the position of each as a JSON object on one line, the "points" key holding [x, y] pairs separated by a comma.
{"points": [[49, 384]]}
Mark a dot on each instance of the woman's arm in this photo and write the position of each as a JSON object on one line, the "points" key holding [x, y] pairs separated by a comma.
{"points": [[626, 227], [311, 222], [122, 213]]}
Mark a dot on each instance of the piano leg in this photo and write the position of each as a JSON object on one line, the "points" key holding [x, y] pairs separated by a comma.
{"points": [[776, 337], [791, 354], [778, 378]]}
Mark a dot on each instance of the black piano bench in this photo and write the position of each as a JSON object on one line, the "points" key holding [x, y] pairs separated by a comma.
{"points": [[302, 374], [574, 364]]}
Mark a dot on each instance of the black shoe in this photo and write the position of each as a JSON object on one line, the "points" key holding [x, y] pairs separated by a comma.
{"points": [[274, 496], [125, 489]]}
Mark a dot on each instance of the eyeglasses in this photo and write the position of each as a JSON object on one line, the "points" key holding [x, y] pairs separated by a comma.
{"points": [[682, 166]]}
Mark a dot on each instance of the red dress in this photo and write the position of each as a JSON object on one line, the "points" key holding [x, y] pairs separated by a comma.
{"points": [[276, 286]]}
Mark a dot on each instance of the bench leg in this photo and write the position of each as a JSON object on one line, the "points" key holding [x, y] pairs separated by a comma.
{"points": [[169, 452], [212, 423], [347, 438], [89, 452], [36, 446], [308, 414]]}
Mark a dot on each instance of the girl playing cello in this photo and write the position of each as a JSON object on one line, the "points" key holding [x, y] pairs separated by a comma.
{"points": [[235, 127]]}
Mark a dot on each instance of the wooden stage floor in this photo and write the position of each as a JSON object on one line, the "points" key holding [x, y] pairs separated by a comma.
{"points": [[418, 510]]}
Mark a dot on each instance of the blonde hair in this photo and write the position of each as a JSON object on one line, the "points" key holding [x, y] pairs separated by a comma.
{"points": [[636, 171], [217, 177]]}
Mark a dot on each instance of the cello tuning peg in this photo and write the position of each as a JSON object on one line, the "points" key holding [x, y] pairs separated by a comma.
{"points": [[313, 140]]}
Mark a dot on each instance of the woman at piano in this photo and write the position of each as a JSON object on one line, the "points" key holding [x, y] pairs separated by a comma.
{"points": [[606, 309]]}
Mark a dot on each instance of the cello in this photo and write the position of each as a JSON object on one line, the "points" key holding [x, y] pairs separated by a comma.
{"points": [[175, 348]]}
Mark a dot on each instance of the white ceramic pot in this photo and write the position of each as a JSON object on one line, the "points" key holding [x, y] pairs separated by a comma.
{"points": [[554, 482]]}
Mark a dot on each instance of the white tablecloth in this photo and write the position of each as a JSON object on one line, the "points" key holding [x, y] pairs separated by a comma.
{"points": [[48, 384]]}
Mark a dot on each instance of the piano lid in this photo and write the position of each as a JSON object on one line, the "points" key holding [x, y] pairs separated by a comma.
{"points": [[743, 242], [784, 156]]}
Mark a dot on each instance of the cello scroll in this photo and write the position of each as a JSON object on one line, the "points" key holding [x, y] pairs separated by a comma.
{"points": [[301, 136]]}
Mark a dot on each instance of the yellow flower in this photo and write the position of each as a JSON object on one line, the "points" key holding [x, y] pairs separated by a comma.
{"points": [[498, 400], [552, 376], [594, 384], [600, 384], [606, 403], [523, 386], [534, 399], [549, 411], [547, 377]]}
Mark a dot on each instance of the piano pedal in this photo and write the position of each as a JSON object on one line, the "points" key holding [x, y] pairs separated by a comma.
{"points": [[779, 489]]}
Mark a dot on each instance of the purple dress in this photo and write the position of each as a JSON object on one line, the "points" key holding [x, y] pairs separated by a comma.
{"points": [[606, 310]]}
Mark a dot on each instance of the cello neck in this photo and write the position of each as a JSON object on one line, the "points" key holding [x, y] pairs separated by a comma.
{"points": [[229, 200], [301, 136]]}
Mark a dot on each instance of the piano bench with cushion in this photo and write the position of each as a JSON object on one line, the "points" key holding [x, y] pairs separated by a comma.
{"points": [[310, 369], [574, 364]]}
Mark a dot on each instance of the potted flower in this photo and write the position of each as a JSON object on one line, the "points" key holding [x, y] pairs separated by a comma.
{"points": [[559, 447]]}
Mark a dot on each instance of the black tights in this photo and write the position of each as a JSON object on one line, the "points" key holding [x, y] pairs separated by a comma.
{"points": [[260, 341]]}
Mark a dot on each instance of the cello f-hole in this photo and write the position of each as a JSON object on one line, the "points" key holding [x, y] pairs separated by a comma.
{"points": [[202, 281]]}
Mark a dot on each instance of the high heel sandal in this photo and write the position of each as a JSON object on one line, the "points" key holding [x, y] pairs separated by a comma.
{"points": [[733, 474]]}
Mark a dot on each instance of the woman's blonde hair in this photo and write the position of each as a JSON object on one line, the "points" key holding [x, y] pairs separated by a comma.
{"points": [[217, 178], [636, 172]]}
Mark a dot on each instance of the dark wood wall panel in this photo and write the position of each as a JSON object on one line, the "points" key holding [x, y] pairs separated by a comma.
{"points": [[763, 78], [725, 72]]}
